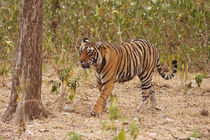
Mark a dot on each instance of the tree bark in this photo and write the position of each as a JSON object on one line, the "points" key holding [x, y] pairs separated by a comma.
{"points": [[27, 76]]}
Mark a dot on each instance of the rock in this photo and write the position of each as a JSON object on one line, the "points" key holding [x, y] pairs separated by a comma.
{"points": [[204, 112], [206, 90], [152, 134], [166, 86], [191, 84], [68, 109], [170, 120], [43, 130], [29, 132]]}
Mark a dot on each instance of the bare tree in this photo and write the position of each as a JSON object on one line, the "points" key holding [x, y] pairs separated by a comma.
{"points": [[27, 76]]}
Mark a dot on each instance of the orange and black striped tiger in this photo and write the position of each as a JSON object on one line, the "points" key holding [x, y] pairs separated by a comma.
{"points": [[121, 63]]}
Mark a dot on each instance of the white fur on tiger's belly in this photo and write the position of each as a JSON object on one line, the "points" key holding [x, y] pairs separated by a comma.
{"points": [[108, 104]]}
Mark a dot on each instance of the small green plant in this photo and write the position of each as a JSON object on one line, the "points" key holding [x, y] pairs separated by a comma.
{"points": [[184, 72], [198, 79], [74, 136], [114, 112], [104, 126], [55, 86], [108, 126], [3, 70], [121, 135], [205, 74], [43, 67], [73, 86], [134, 130], [67, 82], [195, 134]]}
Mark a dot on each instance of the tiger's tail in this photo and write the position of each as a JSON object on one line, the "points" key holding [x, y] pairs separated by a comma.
{"points": [[163, 75]]}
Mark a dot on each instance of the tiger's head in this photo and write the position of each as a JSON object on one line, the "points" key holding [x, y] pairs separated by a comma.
{"points": [[90, 53]]}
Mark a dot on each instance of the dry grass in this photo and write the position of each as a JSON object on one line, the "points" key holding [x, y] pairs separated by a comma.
{"points": [[179, 116]]}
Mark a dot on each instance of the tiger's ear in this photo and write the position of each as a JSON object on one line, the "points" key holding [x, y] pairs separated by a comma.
{"points": [[99, 45], [101, 48], [85, 40]]}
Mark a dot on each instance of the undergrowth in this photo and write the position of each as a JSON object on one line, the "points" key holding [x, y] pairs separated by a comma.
{"points": [[178, 28]]}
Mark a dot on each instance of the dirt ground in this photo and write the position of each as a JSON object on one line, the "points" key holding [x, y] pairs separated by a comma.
{"points": [[178, 118]]}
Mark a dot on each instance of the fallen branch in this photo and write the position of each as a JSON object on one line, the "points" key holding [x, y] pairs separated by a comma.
{"points": [[58, 99]]}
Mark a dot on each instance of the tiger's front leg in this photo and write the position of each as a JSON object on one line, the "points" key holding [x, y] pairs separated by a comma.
{"points": [[106, 91], [99, 86]]}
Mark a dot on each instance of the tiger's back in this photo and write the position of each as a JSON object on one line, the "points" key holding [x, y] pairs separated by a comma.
{"points": [[135, 58]]}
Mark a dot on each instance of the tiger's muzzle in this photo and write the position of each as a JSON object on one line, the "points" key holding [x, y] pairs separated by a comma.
{"points": [[85, 65]]}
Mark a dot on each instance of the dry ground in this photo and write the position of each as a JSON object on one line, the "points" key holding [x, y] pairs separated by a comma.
{"points": [[179, 117]]}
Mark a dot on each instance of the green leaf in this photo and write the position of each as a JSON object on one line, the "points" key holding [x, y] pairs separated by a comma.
{"points": [[134, 130], [114, 112], [43, 67], [56, 59], [54, 88], [74, 136], [122, 135], [199, 79]]}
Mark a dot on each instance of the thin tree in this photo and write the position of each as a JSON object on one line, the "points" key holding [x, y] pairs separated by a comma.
{"points": [[25, 100]]}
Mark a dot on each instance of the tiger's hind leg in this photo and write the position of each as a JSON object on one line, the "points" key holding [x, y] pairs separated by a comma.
{"points": [[148, 93], [146, 97], [153, 101]]}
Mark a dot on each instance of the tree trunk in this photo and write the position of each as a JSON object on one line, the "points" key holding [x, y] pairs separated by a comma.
{"points": [[27, 76]]}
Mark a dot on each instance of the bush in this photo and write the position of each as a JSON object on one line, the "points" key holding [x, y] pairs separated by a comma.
{"points": [[178, 28]]}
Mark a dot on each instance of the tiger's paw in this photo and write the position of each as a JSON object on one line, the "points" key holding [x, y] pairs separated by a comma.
{"points": [[93, 113], [143, 106], [96, 112]]}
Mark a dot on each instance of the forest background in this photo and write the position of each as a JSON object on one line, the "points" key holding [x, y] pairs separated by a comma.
{"points": [[179, 28]]}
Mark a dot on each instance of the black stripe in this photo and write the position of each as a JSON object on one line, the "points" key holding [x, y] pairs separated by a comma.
{"points": [[146, 83], [133, 57], [106, 73], [103, 64], [115, 49], [147, 76], [96, 57], [144, 56], [122, 70], [128, 73], [139, 46], [106, 82], [144, 97], [135, 63], [120, 61], [103, 98], [145, 88], [150, 53]]}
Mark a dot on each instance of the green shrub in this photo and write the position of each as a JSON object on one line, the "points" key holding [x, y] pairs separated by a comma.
{"points": [[74, 136], [198, 79], [178, 28]]}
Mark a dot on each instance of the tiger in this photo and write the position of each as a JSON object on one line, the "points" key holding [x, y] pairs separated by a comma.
{"points": [[122, 63]]}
